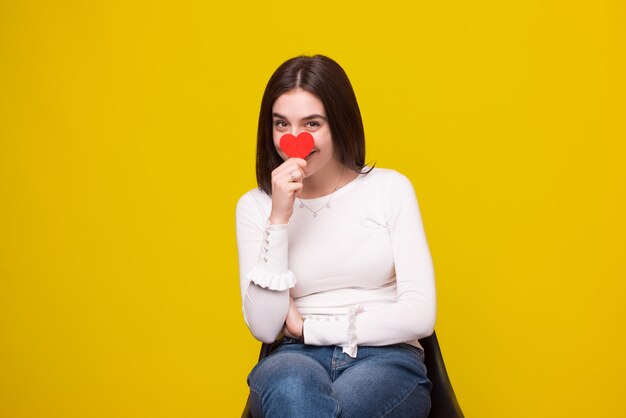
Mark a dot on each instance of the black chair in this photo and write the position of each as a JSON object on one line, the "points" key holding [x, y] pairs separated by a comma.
{"points": [[443, 400]]}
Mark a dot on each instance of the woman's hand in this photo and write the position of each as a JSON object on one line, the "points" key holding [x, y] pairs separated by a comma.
{"points": [[294, 322], [286, 183]]}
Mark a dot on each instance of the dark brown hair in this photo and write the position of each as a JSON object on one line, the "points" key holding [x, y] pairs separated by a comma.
{"points": [[324, 78]]}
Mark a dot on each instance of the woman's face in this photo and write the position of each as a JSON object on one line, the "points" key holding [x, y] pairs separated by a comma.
{"points": [[298, 111]]}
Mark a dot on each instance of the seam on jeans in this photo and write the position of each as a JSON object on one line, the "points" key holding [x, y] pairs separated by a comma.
{"points": [[337, 411], [254, 390], [260, 400], [403, 399], [338, 407]]}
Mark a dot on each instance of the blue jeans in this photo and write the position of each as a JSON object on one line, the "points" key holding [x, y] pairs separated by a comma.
{"points": [[298, 381]]}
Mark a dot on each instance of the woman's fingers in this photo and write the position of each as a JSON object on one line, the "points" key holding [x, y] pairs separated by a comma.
{"points": [[291, 165], [286, 183], [291, 171], [293, 188], [293, 322], [295, 175]]}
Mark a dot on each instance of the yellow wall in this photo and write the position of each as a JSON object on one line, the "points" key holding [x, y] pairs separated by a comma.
{"points": [[127, 134]]}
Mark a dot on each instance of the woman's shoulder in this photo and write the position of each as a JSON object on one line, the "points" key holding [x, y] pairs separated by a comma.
{"points": [[254, 198], [387, 177]]}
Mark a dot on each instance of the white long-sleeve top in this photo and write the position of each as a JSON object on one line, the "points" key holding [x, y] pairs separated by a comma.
{"points": [[360, 272]]}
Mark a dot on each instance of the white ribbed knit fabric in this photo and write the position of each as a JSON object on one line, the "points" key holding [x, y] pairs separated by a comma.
{"points": [[360, 272]]}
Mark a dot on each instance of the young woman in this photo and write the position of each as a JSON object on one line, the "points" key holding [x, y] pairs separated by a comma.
{"points": [[335, 269]]}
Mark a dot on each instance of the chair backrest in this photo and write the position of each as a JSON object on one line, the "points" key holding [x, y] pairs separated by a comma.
{"points": [[442, 397]]}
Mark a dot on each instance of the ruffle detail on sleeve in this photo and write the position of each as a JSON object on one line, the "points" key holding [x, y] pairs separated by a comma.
{"points": [[352, 348], [264, 277]]}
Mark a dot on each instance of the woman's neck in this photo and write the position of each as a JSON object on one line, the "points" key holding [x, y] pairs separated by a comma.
{"points": [[326, 181]]}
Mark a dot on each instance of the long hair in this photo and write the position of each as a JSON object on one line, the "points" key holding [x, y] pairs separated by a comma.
{"points": [[324, 78]]}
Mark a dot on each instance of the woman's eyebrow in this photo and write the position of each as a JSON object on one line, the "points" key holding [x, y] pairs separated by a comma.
{"points": [[315, 116]]}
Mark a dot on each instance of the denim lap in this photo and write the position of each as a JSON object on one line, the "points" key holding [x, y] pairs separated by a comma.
{"points": [[282, 383], [299, 380]]}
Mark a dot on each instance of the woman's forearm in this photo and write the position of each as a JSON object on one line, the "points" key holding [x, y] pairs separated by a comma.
{"points": [[265, 311]]}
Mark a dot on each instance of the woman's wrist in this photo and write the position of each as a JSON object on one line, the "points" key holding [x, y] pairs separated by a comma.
{"points": [[276, 220]]}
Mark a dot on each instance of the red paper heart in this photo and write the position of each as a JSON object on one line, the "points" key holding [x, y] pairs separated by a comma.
{"points": [[299, 146]]}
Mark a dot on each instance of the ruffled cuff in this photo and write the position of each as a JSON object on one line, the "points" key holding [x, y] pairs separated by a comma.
{"points": [[263, 276], [271, 271]]}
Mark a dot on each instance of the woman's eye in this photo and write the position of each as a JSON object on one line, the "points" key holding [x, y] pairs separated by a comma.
{"points": [[280, 124], [314, 124]]}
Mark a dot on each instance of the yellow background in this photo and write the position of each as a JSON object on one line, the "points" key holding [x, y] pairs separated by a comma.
{"points": [[127, 134]]}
